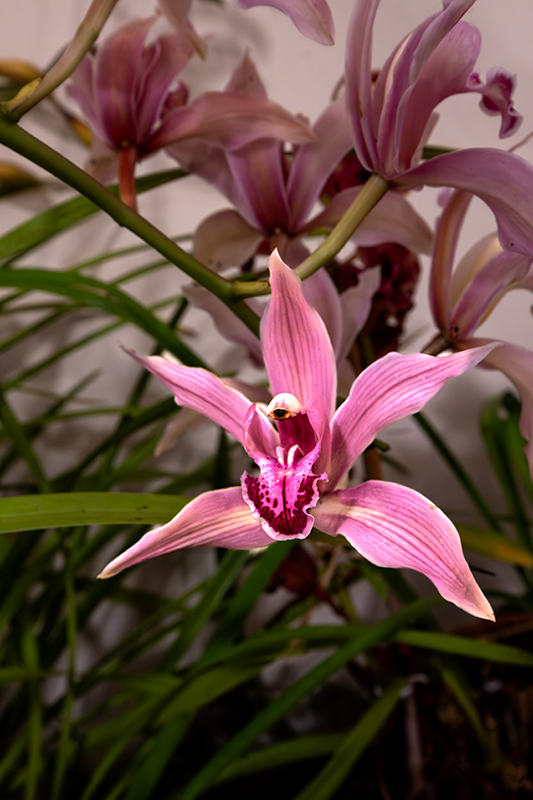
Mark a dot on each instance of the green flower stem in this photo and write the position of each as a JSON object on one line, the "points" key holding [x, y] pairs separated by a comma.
{"points": [[368, 197], [84, 38], [53, 162]]}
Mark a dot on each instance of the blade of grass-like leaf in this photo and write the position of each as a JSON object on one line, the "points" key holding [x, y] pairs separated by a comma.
{"points": [[301, 749], [31, 658], [460, 689], [160, 749], [22, 444], [35, 512], [229, 568], [109, 298], [302, 687], [490, 543], [462, 646], [338, 767], [493, 431], [49, 223], [241, 605], [462, 476]]}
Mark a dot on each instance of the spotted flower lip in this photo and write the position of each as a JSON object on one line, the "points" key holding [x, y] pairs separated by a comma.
{"points": [[392, 117], [303, 456]]}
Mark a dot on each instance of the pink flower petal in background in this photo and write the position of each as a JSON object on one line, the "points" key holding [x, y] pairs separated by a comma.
{"points": [[311, 17]]}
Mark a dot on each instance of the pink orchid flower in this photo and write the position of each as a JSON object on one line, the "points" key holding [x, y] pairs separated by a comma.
{"points": [[274, 195], [392, 117], [462, 298], [311, 17], [303, 448], [128, 92]]}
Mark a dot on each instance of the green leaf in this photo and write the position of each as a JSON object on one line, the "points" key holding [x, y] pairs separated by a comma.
{"points": [[301, 688], [461, 646], [49, 223], [34, 512], [337, 769], [490, 543]]}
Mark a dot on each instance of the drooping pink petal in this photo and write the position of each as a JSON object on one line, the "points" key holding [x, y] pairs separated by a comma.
{"points": [[358, 72], [517, 363], [356, 303], [311, 17], [486, 288], [259, 170], [116, 77], [214, 519], [444, 248], [230, 121], [176, 11], [393, 526], [224, 239], [393, 220], [388, 390], [199, 389], [297, 350], [231, 327], [315, 161], [502, 180], [322, 295]]}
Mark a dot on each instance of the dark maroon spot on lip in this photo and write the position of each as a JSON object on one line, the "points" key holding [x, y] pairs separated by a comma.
{"points": [[287, 518]]}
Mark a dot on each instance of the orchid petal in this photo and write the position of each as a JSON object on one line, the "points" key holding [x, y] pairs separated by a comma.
{"points": [[231, 327], [259, 171], [214, 519], [388, 390], [231, 121], [517, 364], [315, 161], [393, 526], [356, 303], [502, 180], [358, 74], [322, 295], [225, 239], [199, 389], [444, 247], [311, 17], [246, 80], [297, 350], [496, 99], [486, 288], [393, 220]]}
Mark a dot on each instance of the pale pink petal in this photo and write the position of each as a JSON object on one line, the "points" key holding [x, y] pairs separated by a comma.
{"points": [[502, 180], [517, 364], [356, 303], [388, 390], [297, 350], [314, 162], [231, 327], [311, 17], [230, 121], [322, 295], [393, 526], [393, 220], [246, 80], [214, 519], [225, 239], [358, 72], [199, 389], [487, 287]]}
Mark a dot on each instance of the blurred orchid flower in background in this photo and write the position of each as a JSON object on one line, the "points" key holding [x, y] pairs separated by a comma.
{"points": [[462, 298], [127, 90], [393, 116], [274, 195], [311, 17], [303, 448]]}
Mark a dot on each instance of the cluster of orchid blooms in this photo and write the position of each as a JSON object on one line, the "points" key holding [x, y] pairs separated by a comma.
{"points": [[288, 181]]}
